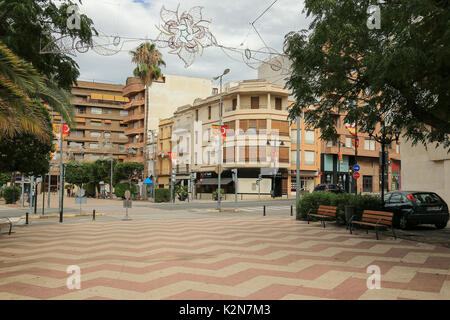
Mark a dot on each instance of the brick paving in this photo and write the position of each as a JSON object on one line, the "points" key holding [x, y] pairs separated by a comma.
{"points": [[216, 258]]}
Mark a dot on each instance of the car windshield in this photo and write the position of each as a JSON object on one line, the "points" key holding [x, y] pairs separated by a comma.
{"points": [[427, 197]]}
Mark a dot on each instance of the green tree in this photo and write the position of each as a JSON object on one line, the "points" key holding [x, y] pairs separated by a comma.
{"points": [[77, 173], [127, 171], [26, 153], [396, 75], [28, 25], [100, 170]]}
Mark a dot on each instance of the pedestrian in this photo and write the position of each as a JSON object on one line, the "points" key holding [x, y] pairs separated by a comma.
{"points": [[68, 192]]}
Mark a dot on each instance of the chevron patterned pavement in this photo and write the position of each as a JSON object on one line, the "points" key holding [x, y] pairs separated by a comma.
{"points": [[216, 258]]}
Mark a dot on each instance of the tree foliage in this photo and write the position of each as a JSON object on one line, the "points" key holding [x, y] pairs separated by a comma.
{"points": [[26, 153], [148, 62], [77, 173], [397, 75], [127, 171]]}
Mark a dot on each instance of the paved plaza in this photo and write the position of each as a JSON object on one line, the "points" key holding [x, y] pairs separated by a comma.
{"points": [[215, 256]]}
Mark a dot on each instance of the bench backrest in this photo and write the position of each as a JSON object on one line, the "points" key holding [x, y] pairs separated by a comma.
{"points": [[375, 216], [327, 211]]}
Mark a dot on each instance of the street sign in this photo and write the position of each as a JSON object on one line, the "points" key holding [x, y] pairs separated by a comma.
{"points": [[127, 194], [80, 200], [81, 193], [356, 168], [127, 203], [356, 175], [320, 173], [217, 169], [148, 181]]}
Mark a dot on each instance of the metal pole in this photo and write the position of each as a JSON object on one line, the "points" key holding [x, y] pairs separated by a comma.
{"points": [[61, 173], [356, 155], [49, 183], [43, 193], [297, 175], [220, 146], [23, 189], [31, 194], [111, 180], [235, 193], [35, 197], [382, 172], [339, 160]]}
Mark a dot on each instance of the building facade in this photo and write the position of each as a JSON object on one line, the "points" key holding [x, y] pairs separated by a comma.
{"points": [[426, 169], [164, 161]]}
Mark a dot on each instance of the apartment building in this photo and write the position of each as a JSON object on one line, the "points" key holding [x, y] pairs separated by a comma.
{"points": [[310, 150], [257, 140], [164, 154], [334, 170]]}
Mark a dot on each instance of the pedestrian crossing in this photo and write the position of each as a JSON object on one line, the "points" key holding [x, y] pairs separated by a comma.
{"points": [[278, 209]]}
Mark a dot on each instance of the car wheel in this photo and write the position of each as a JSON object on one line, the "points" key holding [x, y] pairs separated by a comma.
{"points": [[440, 225], [403, 223]]}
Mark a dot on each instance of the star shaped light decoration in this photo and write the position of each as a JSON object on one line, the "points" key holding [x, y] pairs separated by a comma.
{"points": [[186, 35]]}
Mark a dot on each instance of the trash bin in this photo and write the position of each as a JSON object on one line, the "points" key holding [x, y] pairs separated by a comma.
{"points": [[350, 211]]}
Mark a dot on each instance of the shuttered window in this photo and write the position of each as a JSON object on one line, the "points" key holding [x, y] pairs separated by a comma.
{"points": [[281, 126], [254, 103], [284, 155], [234, 104], [278, 103]]}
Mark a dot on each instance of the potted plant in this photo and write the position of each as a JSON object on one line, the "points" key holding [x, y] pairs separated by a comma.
{"points": [[182, 192], [214, 194]]}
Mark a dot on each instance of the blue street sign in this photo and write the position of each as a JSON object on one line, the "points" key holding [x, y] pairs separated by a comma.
{"points": [[356, 168], [148, 181]]}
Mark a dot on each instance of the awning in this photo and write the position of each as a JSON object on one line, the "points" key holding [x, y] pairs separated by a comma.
{"points": [[96, 96], [214, 181]]}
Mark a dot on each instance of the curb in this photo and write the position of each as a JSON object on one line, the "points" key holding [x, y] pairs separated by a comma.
{"points": [[225, 210], [51, 216]]}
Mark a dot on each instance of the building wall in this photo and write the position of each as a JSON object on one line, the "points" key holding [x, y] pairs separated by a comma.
{"points": [[426, 170], [165, 97], [164, 165]]}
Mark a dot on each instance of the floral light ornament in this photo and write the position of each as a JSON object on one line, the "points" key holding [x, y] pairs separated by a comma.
{"points": [[186, 34]]}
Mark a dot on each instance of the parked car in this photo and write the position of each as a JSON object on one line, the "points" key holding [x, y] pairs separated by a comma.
{"points": [[328, 188], [416, 207]]}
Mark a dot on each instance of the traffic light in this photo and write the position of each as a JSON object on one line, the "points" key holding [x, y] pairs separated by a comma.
{"points": [[350, 170]]}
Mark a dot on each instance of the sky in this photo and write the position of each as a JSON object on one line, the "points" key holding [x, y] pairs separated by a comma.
{"points": [[230, 25]]}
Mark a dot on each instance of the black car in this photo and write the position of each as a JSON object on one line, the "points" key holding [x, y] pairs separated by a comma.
{"points": [[328, 188], [416, 207]]}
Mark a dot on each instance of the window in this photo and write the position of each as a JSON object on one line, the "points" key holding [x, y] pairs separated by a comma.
{"points": [[215, 91], [397, 148], [122, 136], [367, 183], [348, 142], [124, 113], [196, 115], [77, 133], [96, 110], [278, 103], [369, 145], [123, 125], [81, 110], [107, 135], [95, 134], [281, 126], [121, 148], [309, 157], [108, 111], [209, 112], [293, 157], [96, 123], [396, 198], [254, 103], [331, 143], [93, 146], [309, 137], [234, 104]]}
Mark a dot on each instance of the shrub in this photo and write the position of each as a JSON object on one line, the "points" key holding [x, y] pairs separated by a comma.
{"points": [[11, 194], [120, 189], [182, 192], [313, 200], [162, 195], [90, 189]]}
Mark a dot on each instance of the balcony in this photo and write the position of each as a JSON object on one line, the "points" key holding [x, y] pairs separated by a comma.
{"points": [[134, 131], [134, 117], [133, 104], [134, 86]]}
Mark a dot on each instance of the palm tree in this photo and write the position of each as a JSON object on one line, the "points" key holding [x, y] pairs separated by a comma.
{"points": [[22, 90], [149, 61]]}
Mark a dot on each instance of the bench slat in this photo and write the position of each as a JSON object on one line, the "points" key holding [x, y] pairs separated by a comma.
{"points": [[380, 213], [371, 216], [368, 224]]}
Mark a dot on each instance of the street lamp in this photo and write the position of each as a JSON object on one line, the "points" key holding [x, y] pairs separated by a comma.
{"points": [[219, 167], [384, 137]]}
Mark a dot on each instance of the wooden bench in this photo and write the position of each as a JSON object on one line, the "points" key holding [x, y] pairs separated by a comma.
{"points": [[376, 219], [324, 213], [5, 222]]}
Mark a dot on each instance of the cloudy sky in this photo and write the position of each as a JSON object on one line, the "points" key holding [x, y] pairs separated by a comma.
{"points": [[230, 24]]}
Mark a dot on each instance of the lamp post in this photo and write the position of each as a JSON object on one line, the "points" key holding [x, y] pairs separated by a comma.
{"points": [[274, 163], [219, 167], [386, 136]]}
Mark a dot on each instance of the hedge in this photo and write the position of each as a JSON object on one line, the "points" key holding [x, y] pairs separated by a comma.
{"points": [[162, 195], [315, 199], [9, 196], [120, 188]]}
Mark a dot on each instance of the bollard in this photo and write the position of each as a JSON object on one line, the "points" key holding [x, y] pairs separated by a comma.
{"points": [[26, 218], [264, 211], [291, 210], [93, 215]]}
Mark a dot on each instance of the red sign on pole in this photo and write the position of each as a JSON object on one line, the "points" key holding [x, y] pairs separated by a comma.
{"points": [[356, 175]]}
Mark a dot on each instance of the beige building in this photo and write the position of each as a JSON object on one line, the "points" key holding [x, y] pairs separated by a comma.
{"points": [[163, 156], [425, 169], [257, 140]]}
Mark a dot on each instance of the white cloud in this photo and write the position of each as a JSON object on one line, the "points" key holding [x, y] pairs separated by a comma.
{"points": [[230, 25]]}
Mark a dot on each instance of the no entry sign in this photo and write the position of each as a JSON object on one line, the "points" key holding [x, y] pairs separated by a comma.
{"points": [[356, 175]]}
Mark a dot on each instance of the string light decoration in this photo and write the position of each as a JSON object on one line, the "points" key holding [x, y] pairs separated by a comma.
{"points": [[186, 35]]}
